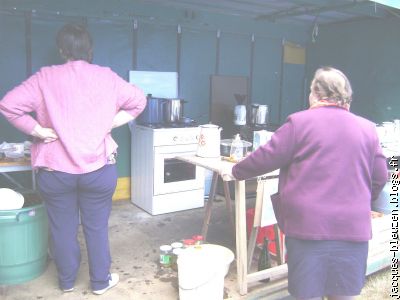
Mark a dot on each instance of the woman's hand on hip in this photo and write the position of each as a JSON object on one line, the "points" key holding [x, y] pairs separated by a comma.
{"points": [[48, 135]]}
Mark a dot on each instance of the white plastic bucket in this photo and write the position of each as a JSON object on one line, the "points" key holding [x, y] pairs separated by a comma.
{"points": [[201, 272]]}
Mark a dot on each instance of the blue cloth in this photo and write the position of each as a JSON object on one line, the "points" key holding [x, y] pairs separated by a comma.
{"points": [[68, 196], [325, 268]]}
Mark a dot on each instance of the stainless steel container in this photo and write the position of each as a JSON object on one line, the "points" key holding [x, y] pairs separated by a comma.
{"points": [[153, 113], [225, 147], [173, 110], [259, 114]]}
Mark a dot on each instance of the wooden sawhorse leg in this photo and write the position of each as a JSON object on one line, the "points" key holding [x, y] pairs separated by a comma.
{"points": [[279, 245], [241, 238], [256, 223], [228, 203], [210, 201]]}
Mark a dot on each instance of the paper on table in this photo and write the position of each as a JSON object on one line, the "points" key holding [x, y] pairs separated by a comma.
{"points": [[267, 214]]}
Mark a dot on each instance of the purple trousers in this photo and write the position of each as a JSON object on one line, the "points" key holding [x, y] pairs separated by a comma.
{"points": [[67, 198]]}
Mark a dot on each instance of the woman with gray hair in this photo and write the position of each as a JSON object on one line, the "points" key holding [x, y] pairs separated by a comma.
{"points": [[331, 168], [330, 86]]}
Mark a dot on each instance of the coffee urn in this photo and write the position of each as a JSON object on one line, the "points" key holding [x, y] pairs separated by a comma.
{"points": [[259, 115], [239, 114], [257, 120]]}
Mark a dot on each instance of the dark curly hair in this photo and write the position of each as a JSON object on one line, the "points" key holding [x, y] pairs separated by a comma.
{"points": [[75, 42]]}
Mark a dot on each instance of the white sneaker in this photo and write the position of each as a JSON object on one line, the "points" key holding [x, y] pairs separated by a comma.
{"points": [[114, 279], [68, 290]]}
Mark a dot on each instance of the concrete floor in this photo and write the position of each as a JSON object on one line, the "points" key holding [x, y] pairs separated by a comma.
{"points": [[135, 237]]}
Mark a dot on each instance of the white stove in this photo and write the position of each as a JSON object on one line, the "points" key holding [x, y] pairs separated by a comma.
{"points": [[160, 182]]}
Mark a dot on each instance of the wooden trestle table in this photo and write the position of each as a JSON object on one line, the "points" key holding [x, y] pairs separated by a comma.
{"points": [[244, 276]]}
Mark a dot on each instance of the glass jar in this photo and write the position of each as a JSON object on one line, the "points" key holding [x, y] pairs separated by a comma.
{"points": [[174, 258], [198, 239], [165, 256], [188, 243]]}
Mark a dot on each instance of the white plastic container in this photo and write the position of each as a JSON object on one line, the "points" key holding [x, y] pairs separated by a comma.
{"points": [[261, 137], [201, 272]]}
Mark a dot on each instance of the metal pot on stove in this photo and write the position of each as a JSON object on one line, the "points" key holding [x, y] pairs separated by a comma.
{"points": [[153, 113], [173, 110]]}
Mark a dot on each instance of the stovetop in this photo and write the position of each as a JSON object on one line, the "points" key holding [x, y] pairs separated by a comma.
{"points": [[168, 136], [192, 123]]}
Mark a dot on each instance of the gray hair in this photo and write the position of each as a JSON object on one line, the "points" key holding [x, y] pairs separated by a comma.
{"points": [[332, 85]]}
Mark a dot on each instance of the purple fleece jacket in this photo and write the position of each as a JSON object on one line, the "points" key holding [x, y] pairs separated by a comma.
{"points": [[331, 168]]}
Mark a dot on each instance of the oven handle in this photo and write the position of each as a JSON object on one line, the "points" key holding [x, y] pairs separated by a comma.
{"points": [[173, 155], [177, 150]]}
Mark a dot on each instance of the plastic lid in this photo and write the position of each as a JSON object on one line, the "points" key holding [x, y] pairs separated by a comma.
{"points": [[176, 245], [188, 242], [197, 237], [165, 248], [10, 199]]}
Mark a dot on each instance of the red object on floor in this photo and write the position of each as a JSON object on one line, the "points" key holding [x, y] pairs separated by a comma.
{"points": [[267, 231]]}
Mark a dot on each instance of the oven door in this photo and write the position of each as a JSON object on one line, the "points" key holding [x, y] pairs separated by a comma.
{"points": [[172, 175]]}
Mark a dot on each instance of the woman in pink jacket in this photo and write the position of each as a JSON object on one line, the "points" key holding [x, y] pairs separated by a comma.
{"points": [[76, 105]]}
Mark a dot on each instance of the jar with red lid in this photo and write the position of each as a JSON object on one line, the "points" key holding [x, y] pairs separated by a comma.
{"points": [[188, 243], [198, 239]]}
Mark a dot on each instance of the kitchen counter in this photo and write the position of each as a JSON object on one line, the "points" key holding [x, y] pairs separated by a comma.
{"points": [[20, 165], [9, 166]]}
